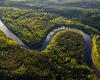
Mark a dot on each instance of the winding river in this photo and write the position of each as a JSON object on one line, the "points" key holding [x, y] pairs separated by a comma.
{"points": [[9, 34], [87, 39]]}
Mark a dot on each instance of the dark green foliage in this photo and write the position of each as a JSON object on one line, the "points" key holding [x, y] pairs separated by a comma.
{"points": [[62, 59], [32, 27], [20, 63]]}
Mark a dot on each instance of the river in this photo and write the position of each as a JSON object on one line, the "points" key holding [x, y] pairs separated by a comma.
{"points": [[87, 39]]}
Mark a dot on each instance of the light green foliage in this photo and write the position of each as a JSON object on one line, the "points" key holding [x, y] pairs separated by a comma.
{"points": [[62, 59], [96, 51], [4, 41], [57, 61], [32, 27]]}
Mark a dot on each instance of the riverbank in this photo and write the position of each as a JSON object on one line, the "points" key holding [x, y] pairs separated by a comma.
{"points": [[87, 39]]}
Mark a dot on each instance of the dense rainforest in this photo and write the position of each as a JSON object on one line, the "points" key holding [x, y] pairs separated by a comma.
{"points": [[64, 57]]}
